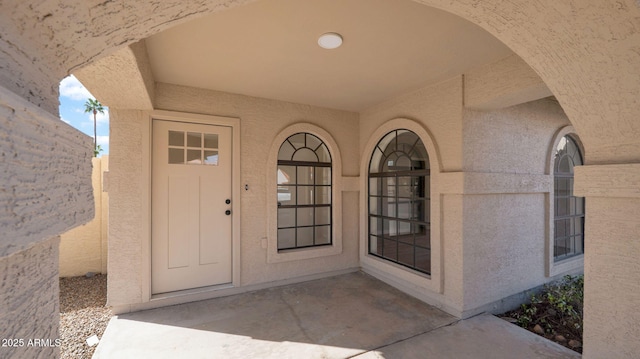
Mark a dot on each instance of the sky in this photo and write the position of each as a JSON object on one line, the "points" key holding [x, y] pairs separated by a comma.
{"points": [[73, 95]]}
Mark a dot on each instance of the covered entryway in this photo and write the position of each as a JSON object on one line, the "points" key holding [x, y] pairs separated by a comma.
{"points": [[191, 206], [584, 51]]}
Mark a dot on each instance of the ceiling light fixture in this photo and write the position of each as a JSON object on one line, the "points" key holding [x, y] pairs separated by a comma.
{"points": [[330, 40]]}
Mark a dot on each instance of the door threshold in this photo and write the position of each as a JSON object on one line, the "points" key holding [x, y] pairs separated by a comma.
{"points": [[188, 292]]}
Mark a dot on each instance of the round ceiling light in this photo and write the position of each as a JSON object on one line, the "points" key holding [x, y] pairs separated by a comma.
{"points": [[330, 40]]}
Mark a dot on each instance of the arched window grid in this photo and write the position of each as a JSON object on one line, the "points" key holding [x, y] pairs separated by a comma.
{"points": [[569, 211], [304, 193], [399, 201]]}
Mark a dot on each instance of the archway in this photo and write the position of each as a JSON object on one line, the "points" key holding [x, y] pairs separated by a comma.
{"points": [[593, 71]]}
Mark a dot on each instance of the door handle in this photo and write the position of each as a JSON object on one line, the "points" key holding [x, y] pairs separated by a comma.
{"points": [[227, 212]]}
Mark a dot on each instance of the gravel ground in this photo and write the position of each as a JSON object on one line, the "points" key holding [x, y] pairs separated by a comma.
{"points": [[82, 314]]}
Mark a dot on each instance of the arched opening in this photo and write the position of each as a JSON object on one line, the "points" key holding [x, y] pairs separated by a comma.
{"points": [[593, 73]]}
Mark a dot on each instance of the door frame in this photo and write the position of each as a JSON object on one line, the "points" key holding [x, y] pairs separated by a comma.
{"points": [[146, 270]]}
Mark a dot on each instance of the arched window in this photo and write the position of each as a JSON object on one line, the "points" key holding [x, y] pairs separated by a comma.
{"points": [[399, 201], [568, 210], [304, 192]]}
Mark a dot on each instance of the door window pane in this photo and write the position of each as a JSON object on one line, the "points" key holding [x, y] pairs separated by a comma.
{"points": [[211, 158], [211, 140], [193, 157], [200, 148], [176, 138], [194, 139], [176, 156]]}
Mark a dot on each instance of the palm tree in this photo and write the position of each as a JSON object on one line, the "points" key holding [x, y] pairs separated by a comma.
{"points": [[94, 106]]}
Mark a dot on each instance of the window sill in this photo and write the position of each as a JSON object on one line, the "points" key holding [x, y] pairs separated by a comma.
{"points": [[566, 266], [275, 256]]}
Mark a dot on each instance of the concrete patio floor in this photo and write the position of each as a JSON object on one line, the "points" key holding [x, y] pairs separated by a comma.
{"points": [[347, 316]]}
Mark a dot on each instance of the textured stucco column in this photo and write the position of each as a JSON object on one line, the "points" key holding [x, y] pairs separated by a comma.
{"points": [[45, 189], [128, 206], [612, 264], [29, 304]]}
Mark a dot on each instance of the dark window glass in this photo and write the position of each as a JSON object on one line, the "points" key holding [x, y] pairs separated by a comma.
{"points": [[399, 224], [304, 193], [568, 210]]}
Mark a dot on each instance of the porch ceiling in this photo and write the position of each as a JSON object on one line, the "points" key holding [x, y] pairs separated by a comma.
{"points": [[269, 49]]}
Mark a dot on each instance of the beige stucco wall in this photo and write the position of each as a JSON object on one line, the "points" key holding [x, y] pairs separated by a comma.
{"points": [[40, 196], [612, 268], [505, 228], [260, 121], [492, 192], [29, 305], [84, 249], [438, 110]]}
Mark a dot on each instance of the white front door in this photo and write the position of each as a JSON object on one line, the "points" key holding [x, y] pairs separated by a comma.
{"points": [[191, 206]]}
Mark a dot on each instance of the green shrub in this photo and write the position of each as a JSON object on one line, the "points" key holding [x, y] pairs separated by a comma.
{"points": [[557, 307]]}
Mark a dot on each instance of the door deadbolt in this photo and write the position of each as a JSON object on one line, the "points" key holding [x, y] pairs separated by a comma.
{"points": [[227, 201]]}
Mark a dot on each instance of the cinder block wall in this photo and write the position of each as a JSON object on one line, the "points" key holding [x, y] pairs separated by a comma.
{"points": [[84, 249]]}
